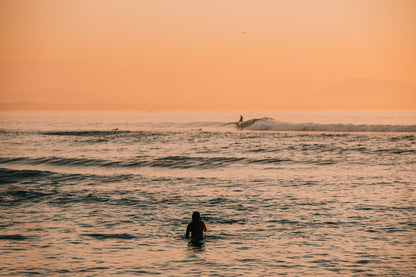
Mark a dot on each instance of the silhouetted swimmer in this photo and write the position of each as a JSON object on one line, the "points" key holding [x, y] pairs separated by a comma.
{"points": [[196, 228]]}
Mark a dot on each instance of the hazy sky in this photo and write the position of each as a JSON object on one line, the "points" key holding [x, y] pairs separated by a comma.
{"points": [[217, 54]]}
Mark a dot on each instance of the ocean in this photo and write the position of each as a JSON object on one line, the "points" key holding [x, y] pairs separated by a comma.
{"points": [[284, 193]]}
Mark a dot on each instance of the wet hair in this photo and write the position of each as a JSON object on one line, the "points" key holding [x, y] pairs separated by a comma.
{"points": [[196, 216]]}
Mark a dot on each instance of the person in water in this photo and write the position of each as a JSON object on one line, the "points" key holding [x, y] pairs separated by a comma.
{"points": [[196, 228], [241, 120]]}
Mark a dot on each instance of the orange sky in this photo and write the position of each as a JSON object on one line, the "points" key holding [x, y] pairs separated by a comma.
{"points": [[217, 54]]}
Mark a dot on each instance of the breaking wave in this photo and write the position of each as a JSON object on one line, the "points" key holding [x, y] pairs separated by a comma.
{"points": [[267, 123]]}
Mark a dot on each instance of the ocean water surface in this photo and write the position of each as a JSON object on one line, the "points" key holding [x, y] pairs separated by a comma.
{"points": [[288, 193]]}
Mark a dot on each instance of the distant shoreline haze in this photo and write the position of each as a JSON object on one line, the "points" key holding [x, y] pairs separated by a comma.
{"points": [[352, 94]]}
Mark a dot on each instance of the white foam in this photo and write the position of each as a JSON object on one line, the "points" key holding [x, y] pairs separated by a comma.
{"points": [[267, 123]]}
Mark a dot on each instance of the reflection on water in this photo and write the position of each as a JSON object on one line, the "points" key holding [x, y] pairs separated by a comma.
{"points": [[118, 203], [196, 245]]}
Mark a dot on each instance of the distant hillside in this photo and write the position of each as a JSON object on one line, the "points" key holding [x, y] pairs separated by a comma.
{"points": [[369, 94]]}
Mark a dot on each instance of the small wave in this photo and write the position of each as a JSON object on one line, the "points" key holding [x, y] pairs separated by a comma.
{"points": [[8, 176], [179, 161], [85, 133], [57, 161], [267, 123], [12, 237], [141, 161], [190, 162], [111, 236]]}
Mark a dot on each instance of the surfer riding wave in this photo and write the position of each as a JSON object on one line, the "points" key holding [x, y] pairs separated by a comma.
{"points": [[268, 123]]}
